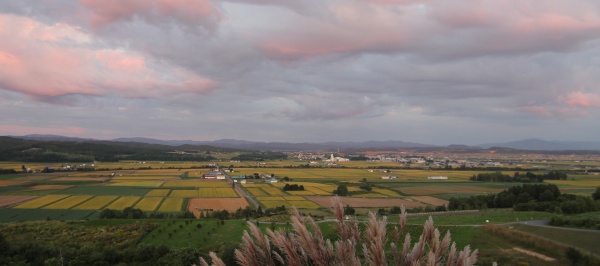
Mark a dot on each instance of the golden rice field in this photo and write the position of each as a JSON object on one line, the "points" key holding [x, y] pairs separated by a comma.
{"points": [[270, 198], [225, 192], [123, 202], [138, 184], [386, 192], [301, 193], [40, 202], [273, 191], [148, 204], [199, 184], [95, 203], [293, 198], [82, 179], [256, 191], [435, 190], [303, 204], [171, 205], [144, 177], [68, 203], [318, 191], [158, 193], [9, 200], [184, 193]]}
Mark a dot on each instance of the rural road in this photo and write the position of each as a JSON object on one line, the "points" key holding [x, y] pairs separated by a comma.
{"points": [[239, 189]]}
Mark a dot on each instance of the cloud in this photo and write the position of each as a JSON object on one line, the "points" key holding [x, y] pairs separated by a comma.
{"points": [[187, 12], [581, 99], [48, 61]]}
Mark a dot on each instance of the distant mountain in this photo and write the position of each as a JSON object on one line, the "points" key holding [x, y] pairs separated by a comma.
{"points": [[46, 137], [545, 145]]}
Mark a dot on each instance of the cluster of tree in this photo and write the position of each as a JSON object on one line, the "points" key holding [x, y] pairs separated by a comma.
{"points": [[293, 187], [528, 197], [341, 190], [7, 171], [358, 158], [366, 186], [13, 149], [591, 221], [131, 213], [518, 177], [99, 253], [260, 156]]}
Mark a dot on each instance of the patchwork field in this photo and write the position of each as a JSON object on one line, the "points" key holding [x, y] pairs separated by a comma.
{"points": [[197, 184], [123, 202], [4, 183], [50, 187], [14, 199], [158, 193], [96, 203], [230, 204], [68, 202], [365, 202], [148, 204], [434, 190], [430, 200], [171, 205], [138, 184], [40, 202]]}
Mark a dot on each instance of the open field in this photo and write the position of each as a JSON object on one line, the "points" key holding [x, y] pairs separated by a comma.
{"points": [[14, 199], [123, 202], [40, 202], [158, 193], [68, 202], [196, 183], [325, 201], [148, 204], [138, 184], [587, 241], [96, 203], [230, 204], [449, 189], [83, 179], [5, 183], [171, 205], [430, 200], [102, 190], [50, 187]]}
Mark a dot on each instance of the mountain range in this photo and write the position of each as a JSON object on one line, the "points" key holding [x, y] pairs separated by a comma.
{"points": [[527, 144]]}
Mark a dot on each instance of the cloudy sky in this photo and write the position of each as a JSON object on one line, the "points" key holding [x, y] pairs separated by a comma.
{"points": [[435, 72]]}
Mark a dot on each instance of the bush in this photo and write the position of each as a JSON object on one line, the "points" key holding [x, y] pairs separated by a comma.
{"points": [[306, 245]]}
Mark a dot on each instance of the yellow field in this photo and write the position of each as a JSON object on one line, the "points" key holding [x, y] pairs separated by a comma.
{"points": [[158, 193], [273, 191], [143, 177], [138, 184], [386, 192], [184, 193], [199, 184], [226, 192], [294, 198], [304, 204], [270, 198], [39, 202], [302, 192], [68, 202], [96, 203], [171, 205], [250, 185], [123, 202], [148, 204], [318, 191], [256, 191]]}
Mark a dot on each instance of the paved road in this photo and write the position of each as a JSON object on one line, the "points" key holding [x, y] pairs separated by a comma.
{"points": [[239, 189]]}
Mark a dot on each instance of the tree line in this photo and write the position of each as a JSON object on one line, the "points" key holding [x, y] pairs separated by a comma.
{"points": [[518, 177]]}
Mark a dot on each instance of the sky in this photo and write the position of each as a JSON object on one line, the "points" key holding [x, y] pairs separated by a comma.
{"points": [[435, 72]]}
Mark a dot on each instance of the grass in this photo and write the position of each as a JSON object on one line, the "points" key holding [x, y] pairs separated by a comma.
{"points": [[18, 215], [583, 240], [480, 218]]}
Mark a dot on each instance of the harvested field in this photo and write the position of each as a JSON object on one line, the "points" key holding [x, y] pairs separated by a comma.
{"points": [[230, 204], [123, 202], [39, 202], [97, 203], [50, 187], [5, 183], [360, 202], [12, 200], [67, 203], [432, 190], [430, 200], [171, 205]]}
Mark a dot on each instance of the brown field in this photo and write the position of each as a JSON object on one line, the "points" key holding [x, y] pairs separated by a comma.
{"points": [[230, 204], [325, 201], [430, 200], [5, 183], [48, 187], [12, 200], [433, 190]]}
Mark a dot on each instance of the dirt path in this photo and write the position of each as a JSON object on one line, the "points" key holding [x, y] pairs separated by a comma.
{"points": [[534, 254]]}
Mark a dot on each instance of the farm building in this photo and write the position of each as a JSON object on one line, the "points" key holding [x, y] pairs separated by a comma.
{"points": [[214, 175], [437, 177]]}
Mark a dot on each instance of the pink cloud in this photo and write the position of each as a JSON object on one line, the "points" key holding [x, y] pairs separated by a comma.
{"points": [[35, 65], [190, 12], [536, 110], [581, 99]]}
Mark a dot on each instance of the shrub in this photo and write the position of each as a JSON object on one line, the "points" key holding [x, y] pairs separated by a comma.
{"points": [[306, 245]]}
